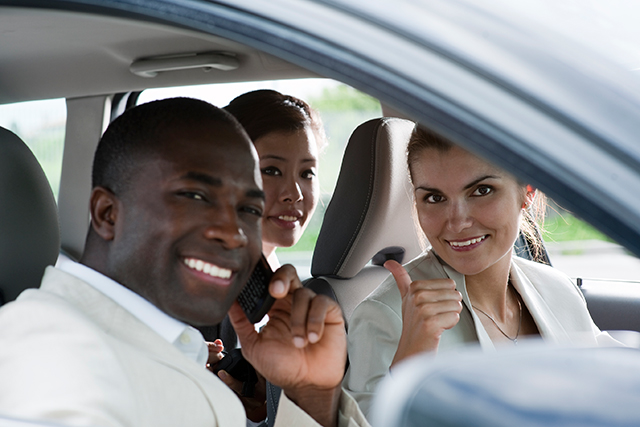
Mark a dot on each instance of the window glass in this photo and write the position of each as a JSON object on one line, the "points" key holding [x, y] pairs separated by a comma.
{"points": [[579, 250], [41, 125], [341, 108], [574, 247]]}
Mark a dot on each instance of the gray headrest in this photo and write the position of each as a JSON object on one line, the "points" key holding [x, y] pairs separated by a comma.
{"points": [[371, 207], [29, 231]]}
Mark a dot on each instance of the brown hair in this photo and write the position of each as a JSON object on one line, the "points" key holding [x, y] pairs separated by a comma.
{"points": [[423, 138], [264, 111], [533, 216]]}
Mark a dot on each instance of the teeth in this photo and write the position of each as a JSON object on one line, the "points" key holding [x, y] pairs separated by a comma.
{"points": [[287, 218], [205, 267], [468, 242]]}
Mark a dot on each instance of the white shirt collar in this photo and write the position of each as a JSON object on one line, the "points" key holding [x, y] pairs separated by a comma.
{"points": [[186, 338]]}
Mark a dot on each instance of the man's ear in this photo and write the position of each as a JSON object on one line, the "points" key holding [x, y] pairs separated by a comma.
{"points": [[104, 212]]}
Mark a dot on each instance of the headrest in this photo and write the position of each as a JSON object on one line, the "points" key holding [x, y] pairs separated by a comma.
{"points": [[371, 208], [29, 231]]}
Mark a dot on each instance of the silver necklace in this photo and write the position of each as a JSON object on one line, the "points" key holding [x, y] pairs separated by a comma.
{"points": [[515, 339]]}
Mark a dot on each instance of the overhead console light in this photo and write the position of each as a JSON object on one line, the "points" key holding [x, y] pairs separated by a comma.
{"points": [[150, 67]]}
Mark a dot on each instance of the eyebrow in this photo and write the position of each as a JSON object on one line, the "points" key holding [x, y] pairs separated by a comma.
{"points": [[471, 184], [256, 194], [203, 178], [217, 182], [274, 157], [466, 187]]}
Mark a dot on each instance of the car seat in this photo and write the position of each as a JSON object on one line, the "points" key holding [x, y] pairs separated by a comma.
{"points": [[29, 230], [368, 221], [369, 217]]}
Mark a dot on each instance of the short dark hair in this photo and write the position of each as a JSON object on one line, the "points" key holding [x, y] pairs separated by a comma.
{"points": [[136, 131], [264, 111]]}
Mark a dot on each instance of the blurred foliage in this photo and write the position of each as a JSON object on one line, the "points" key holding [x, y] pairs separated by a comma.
{"points": [[344, 98], [342, 110], [41, 125], [48, 147], [563, 227]]}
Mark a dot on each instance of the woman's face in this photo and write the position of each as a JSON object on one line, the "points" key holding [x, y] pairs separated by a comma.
{"points": [[288, 162], [469, 209]]}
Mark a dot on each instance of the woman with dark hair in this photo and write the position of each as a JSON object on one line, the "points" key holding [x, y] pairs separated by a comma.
{"points": [[288, 136], [468, 287]]}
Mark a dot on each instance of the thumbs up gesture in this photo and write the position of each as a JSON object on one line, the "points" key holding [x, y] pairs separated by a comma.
{"points": [[429, 307]]}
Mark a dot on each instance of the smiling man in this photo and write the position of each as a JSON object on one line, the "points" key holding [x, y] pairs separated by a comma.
{"points": [[175, 209]]}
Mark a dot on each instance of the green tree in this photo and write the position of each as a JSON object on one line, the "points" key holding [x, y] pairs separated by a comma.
{"points": [[342, 109]]}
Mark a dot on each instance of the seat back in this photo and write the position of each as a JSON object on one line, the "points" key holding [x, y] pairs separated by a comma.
{"points": [[29, 230], [370, 213]]}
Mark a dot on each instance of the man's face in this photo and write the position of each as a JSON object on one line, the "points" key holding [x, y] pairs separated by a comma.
{"points": [[188, 228]]}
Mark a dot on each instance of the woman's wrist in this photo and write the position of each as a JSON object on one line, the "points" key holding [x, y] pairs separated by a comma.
{"points": [[405, 351]]}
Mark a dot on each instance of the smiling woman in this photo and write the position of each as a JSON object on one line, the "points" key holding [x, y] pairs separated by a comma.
{"points": [[288, 135], [468, 288], [341, 108]]}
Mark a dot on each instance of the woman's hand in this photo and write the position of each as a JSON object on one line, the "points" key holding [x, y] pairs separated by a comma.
{"points": [[429, 307], [256, 405], [216, 354]]}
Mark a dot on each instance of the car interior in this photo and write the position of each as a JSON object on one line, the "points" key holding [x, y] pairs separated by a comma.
{"points": [[369, 216], [99, 64], [28, 219]]}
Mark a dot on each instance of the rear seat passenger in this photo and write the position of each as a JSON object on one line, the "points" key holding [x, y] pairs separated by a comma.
{"points": [[369, 214]]}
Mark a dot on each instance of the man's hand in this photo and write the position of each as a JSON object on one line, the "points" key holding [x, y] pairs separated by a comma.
{"points": [[429, 307], [302, 349]]}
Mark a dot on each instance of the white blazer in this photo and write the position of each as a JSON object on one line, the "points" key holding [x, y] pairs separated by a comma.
{"points": [[554, 301], [71, 355]]}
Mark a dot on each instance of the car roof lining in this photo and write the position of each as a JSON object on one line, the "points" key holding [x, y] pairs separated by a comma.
{"points": [[41, 64]]}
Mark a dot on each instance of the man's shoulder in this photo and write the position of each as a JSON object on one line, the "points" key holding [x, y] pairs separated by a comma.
{"points": [[51, 351], [45, 309], [62, 303]]}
